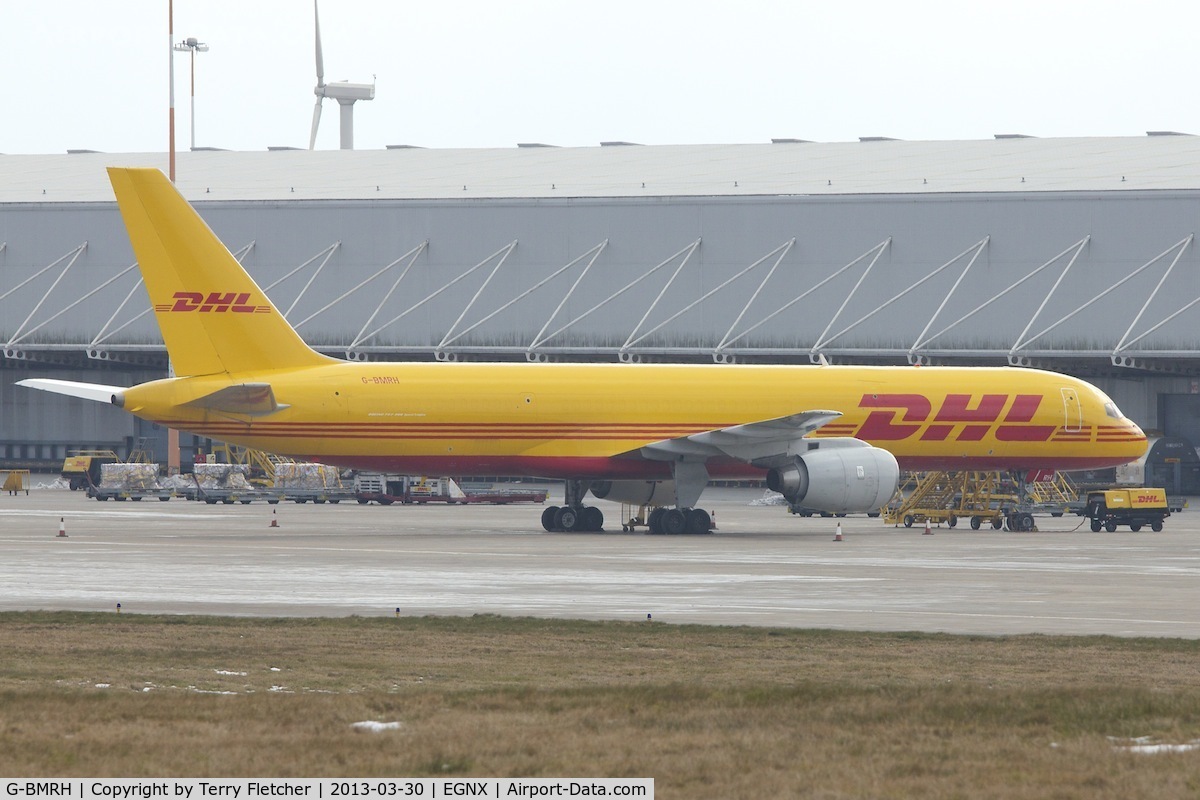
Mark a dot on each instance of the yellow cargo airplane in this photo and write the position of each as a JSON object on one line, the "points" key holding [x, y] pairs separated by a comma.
{"points": [[831, 438]]}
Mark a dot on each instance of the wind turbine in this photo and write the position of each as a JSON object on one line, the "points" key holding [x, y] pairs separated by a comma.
{"points": [[345, 93]]}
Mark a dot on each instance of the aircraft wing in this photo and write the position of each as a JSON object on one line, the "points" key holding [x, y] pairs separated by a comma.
{"points": [[88, 391], [762, 443]]}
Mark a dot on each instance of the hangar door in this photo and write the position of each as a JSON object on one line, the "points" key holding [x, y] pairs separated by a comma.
{"points": [[1179, 415]]}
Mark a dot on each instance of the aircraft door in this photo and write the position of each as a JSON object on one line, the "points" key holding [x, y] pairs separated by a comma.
{"points": [[1072, 410]]}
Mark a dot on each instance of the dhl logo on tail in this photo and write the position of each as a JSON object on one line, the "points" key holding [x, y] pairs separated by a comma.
{"points": [[237, 302]]}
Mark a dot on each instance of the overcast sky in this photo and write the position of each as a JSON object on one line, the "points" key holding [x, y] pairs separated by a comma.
{"points": [[83, 74]]}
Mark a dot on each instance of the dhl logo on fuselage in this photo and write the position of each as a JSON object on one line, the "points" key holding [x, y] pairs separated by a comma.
{"points": [[901, 416], [237, 302]]}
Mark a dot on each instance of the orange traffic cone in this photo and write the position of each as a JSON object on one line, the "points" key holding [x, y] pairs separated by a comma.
{"points": [[274, 520], [837, 536], [928, 531], [62, 527]]}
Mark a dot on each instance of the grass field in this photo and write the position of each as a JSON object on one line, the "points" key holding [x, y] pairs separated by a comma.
{"points": [[705, 711]]}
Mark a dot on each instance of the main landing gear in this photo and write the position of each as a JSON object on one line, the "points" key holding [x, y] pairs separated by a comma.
{"points": [[574, 515], [570, 519], [674, 521]]}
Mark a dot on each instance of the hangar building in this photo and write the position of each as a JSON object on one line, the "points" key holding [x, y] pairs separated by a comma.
{"points": [[1074, 254]]}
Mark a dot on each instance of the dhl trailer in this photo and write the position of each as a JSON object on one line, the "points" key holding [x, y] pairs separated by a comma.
{"points": [[1132, 507]]}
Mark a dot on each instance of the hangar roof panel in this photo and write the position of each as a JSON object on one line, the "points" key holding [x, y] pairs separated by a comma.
{"points": [[1006, 164]]}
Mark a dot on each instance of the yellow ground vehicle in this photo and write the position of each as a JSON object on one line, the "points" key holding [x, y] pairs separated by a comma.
{"points": [[1132, 507], [82, 467]]}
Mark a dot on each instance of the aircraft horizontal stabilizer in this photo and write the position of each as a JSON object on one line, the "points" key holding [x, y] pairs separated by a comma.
{"points": [[753, 441], [251, 399], [97, 392]]}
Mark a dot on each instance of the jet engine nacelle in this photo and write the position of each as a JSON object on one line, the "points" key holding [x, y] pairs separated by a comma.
{"points": [[635, 493], [839, 479]]}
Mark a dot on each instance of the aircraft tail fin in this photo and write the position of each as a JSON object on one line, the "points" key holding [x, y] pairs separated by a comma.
{"points": [[213, 316]]}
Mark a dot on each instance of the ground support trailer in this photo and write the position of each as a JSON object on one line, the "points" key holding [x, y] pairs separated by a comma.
{"points": [[14, 481], [272, 496], [946, 497], [389, 489], [103, 493], [1133, 507], [494, 498], [985, 498]]}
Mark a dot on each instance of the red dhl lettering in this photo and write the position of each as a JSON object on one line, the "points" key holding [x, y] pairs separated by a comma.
{"points": [[971, 418], [1148, 498], [238, 302]]}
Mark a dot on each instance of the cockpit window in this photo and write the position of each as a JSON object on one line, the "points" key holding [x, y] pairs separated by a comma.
{"points": [[1110, 408]]}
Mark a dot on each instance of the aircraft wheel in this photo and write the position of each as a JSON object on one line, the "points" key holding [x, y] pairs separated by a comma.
{"points": [[997, 523], [548, 517], [654, 521], [1110, 527], [1096, 526], [698, 521], [1026, 522], [593, 519], [1156, 526], [1135, 527], [674, 522], [908, 520], [567, 519], [976, 522], [952, 521]]}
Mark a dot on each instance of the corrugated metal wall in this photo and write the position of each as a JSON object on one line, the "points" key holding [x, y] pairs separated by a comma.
{"points": [[1126, 230], [926, 232]]}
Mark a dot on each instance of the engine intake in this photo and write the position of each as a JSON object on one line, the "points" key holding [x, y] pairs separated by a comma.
{"points": [[840, 479]]}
